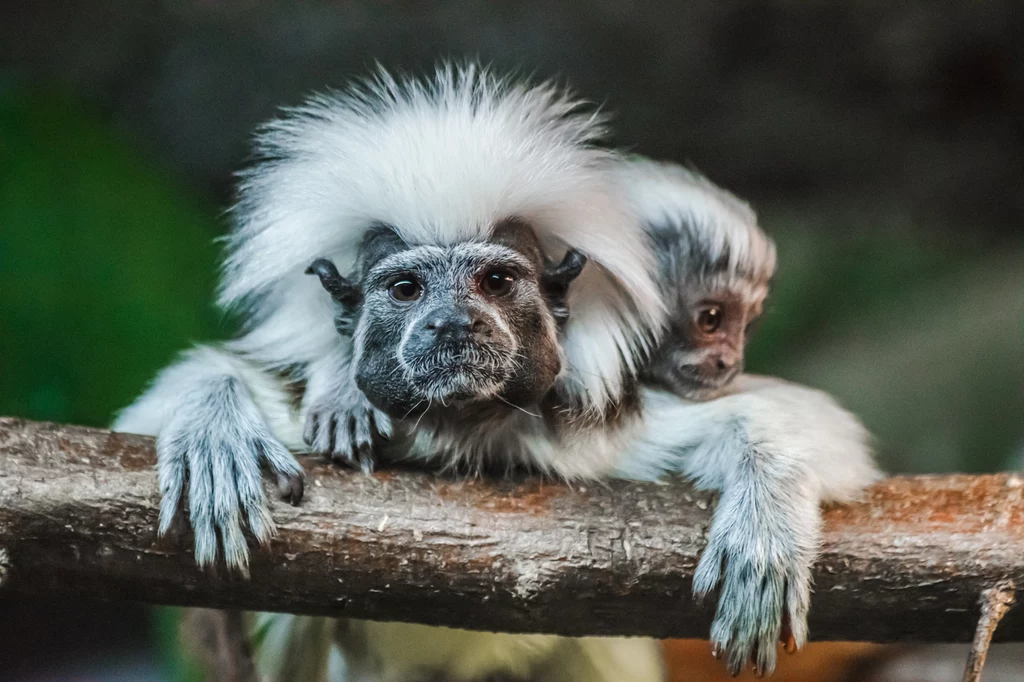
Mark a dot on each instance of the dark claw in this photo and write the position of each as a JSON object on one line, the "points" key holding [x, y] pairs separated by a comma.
{"points": [[790, 645], [291, 487], [179, 525], [341, 458], [332, 426]]}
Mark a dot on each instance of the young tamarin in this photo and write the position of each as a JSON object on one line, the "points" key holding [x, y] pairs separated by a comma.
{"points": [[715, 266], [464, 206]]}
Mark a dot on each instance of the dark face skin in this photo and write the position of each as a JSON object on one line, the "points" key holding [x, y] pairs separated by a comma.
{"points": [[456, 326], [703, 350]]}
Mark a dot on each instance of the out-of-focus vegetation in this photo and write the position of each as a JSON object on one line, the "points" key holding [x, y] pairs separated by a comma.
{"points": [[919, 331], [106, 266]]}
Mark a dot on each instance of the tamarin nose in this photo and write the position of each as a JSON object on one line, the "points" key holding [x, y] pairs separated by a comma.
{"points": [[461, 326], [724, 362]]}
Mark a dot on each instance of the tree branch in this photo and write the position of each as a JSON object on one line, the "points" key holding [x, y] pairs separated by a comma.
{"points": [[995, 603], [78, 510]]}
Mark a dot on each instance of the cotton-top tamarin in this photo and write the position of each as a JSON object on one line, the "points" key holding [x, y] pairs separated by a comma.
{"points": [[500, 304]]}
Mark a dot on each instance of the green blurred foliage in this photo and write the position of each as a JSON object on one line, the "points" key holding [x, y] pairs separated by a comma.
{"points": [[178, 667], [919, 329], [106, 268], [830, 273]]}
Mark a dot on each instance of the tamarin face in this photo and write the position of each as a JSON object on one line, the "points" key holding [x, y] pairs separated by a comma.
{"points": [[703, 349], [443, 327], [715, 266]]}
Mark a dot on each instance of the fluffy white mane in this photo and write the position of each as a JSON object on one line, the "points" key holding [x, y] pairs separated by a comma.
{"points": [[440, 160]]}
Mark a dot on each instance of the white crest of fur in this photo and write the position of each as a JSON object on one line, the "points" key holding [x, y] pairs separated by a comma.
{"points": [[668, 194], [441, 161]]}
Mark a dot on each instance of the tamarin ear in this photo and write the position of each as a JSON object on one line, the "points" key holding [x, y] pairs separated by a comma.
{"points": [[347, 295], [555, 281], [561, 276]]}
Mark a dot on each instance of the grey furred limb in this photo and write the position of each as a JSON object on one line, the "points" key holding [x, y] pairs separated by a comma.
{"points": [[762, 543], [212, 436], [715, 267], [340, 422], [776, 451]]}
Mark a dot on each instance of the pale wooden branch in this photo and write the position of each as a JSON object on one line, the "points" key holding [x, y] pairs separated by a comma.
{"points": [[78, 509]]}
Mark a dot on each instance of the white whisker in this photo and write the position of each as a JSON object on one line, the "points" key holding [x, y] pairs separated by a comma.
{"points": [[411, 410], [521, 409], [417, 424]]}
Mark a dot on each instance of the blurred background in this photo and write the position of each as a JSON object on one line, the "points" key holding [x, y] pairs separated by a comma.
{"points": [[881, 143]]}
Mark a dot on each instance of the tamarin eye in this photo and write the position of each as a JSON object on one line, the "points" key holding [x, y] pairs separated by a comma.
{"points": [[497, 283], [405, 290], [709, 319]]}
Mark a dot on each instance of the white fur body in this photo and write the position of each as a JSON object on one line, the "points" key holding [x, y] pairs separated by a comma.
{"points": [[304, 649]]}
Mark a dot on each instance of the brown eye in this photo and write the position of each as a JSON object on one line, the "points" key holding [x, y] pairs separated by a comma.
{"points": [[709, 319], [405, 290], [497, 283]]}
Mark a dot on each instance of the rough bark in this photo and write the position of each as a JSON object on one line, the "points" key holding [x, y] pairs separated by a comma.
{"points": [[78, 509]]}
